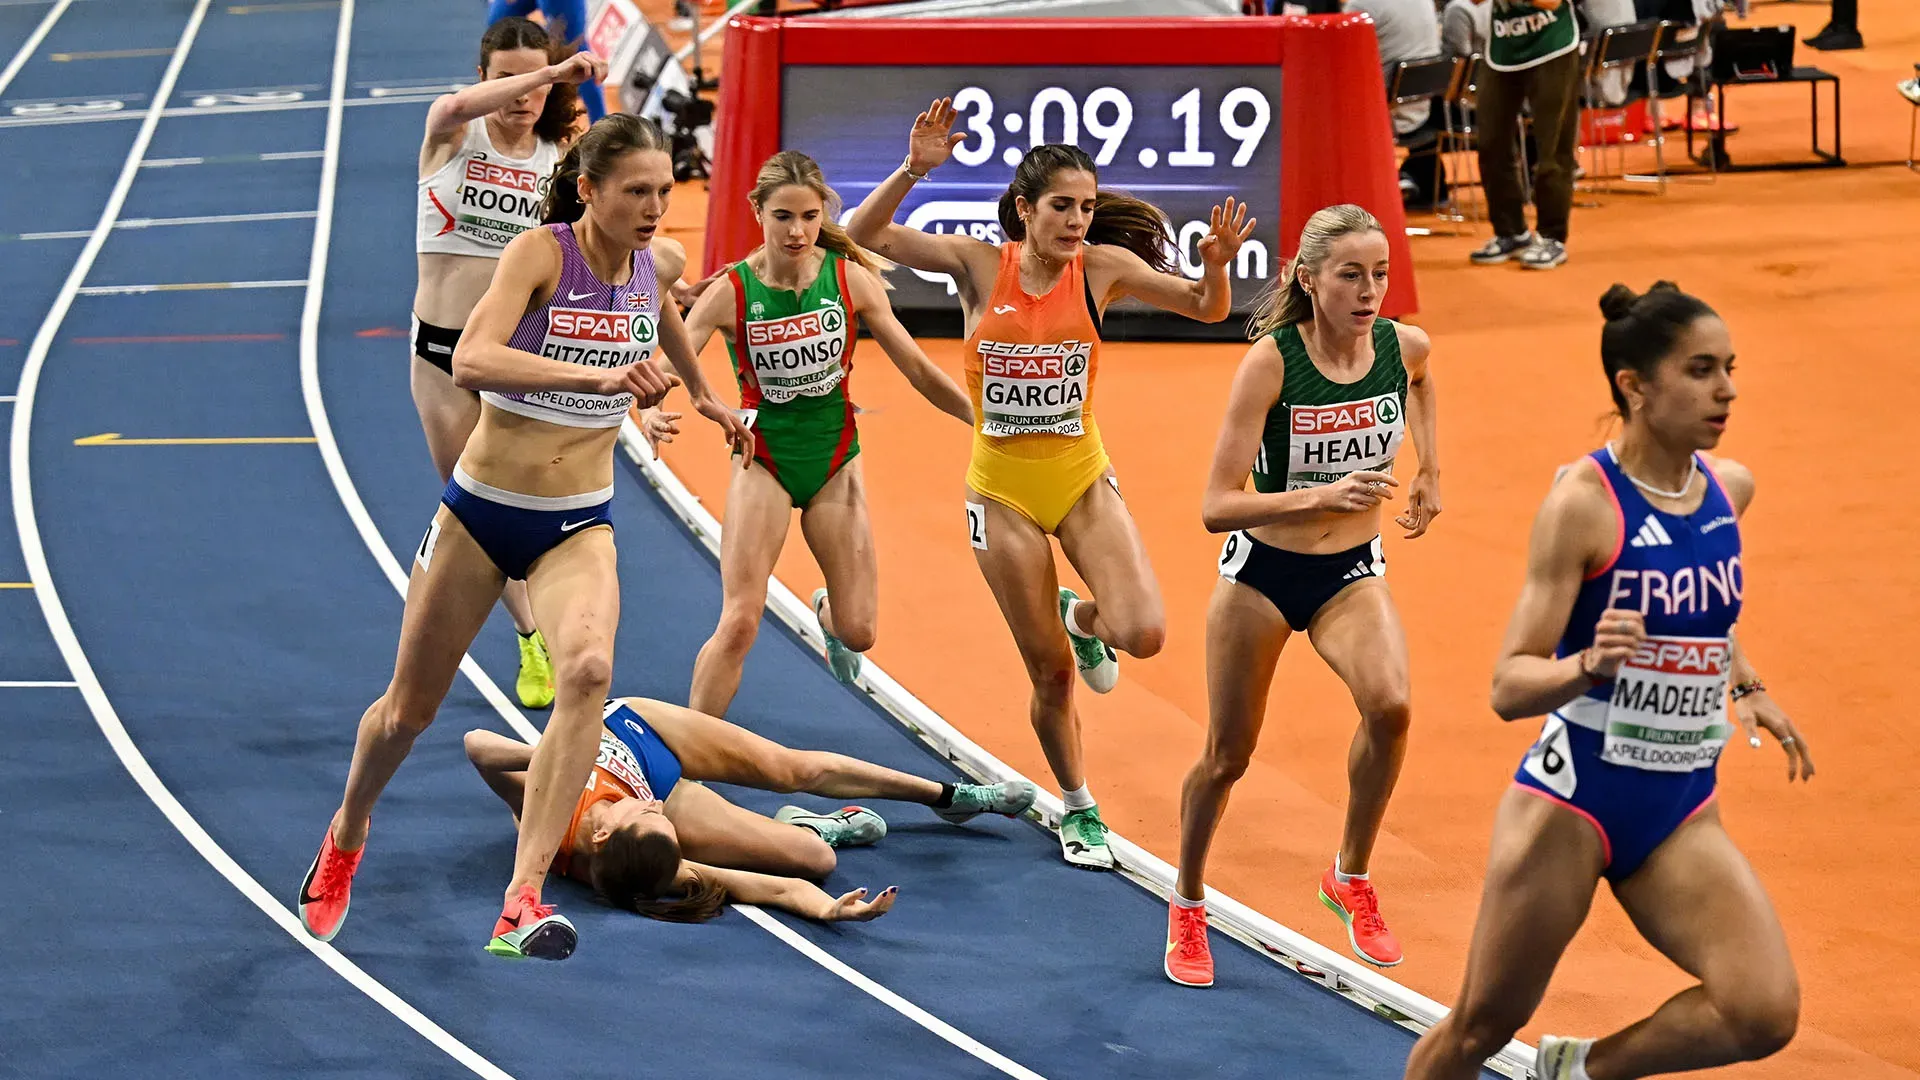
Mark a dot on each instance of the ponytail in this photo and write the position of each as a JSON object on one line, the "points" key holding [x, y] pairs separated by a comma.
{"points": [[1286, 302], [593, 155], [1118, 220]]}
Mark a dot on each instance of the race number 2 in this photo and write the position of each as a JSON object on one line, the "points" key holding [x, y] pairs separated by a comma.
{"points": [[977, 524]]}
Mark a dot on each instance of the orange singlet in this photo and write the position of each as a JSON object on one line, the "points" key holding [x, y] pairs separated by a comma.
{"points": [[1031, 364], [603, 785]]}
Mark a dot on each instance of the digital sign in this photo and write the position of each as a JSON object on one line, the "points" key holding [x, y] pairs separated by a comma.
{"points": [[1182, 138], [1285, 114]]}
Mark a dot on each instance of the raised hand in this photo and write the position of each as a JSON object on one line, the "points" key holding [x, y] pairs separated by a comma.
{"points": [[1229, 227], [932, 140]]}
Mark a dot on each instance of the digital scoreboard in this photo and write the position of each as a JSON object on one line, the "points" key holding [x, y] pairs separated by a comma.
{"points": [[1180, 112]]}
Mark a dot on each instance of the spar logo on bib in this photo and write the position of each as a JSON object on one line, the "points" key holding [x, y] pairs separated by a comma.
{"points": [[1668, 709], [596, 338], [499, 202], [617, 759], [799, 355], [1030, 389], [1326, 442]]}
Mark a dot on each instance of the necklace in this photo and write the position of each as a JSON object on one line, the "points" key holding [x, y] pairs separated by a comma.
{"points": [[1693, 466]]}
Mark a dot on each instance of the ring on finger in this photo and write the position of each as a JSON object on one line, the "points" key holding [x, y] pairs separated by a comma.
{"points": [[1788, 741]]}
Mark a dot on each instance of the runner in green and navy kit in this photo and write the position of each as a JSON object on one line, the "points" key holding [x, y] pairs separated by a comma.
{"points": [[1319, 410], [788, 314]]}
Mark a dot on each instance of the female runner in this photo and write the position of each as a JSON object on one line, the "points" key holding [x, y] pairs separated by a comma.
{"points": [[484, 165], [679, 851], [1623, 636], [788, 313], [560, 348], [567, 19], [1319, 409], [1032, 308]]}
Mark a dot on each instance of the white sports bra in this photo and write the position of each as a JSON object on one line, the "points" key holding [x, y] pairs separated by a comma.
{"points": [[481, 199]]}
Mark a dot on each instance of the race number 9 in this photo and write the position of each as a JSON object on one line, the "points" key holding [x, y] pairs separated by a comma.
{"points": [[1234, 553]]}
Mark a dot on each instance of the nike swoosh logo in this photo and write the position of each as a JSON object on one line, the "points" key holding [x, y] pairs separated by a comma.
{"points": [[1003, 309], [571, 295], [569, 526]]}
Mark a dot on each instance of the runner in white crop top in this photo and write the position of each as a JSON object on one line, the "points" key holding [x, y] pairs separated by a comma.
{"points": [[485, 163]]}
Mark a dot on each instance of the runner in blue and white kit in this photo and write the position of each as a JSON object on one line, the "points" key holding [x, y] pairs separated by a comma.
{"points": [[1624, 637], [560, 348]]}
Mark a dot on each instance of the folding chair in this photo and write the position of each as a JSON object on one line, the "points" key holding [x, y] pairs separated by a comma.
{"points": [[1426, 80], [1617, 47], [1677, 41]]}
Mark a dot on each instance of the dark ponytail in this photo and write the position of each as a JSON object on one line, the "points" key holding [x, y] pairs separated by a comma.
{"points": [[1642, 329], [592, 155], [1120, 220], [636, 870], [563, 99]]}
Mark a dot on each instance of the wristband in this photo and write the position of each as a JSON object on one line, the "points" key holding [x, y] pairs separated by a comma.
{"points": [[1751, 686], [907, 167]]}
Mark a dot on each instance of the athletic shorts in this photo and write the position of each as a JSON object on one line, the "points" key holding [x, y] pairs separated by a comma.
{"points": [[657, 762], [513, 529], [435, 344], [1298, 584], [1634, 810]]}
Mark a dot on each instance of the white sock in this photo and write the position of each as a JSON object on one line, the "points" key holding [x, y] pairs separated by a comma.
{"points": [[1182, 902], [1343, 877], [1077, 799], [1580, 1051], [1073, 618]]}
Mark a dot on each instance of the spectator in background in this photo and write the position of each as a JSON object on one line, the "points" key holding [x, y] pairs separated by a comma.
{"points": [[1407, 30], [1532, 59], [1465, 26]]}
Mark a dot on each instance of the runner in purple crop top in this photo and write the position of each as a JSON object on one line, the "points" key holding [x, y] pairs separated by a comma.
{"points": [[560, 347]]}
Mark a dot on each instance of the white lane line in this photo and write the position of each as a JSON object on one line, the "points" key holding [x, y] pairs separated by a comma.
{"points": [[61, 628], [33, 42], [187, 286], [231, 159], [396, 575], [157, 223], [60, 119]]}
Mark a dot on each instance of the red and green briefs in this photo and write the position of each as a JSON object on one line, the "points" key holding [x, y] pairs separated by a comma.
{"points": [[793, 353]]}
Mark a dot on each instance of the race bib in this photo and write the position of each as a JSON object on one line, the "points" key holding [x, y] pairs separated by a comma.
{"points": [[1033, 389], [1326, 442], [1234, 553], [498, 202], [1668, 712], [1550, 759], [799, 356]]}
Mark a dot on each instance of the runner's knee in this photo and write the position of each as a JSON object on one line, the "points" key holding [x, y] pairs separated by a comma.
{"points": [[814, 858], [856, 633], [403, 714], [737, 630], [1388, 715], [796, 770], [1052, 682], [1141, 639], [1761, 1018], [1223, 766], [587, 671], [1484, 1029]]}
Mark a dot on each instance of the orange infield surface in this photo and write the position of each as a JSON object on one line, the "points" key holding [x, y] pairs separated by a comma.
{"points": [[1816, 274]]}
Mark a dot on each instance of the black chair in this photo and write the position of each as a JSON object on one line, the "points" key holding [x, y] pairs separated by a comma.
{"points": [[1678, 41], [1617, 47], [1426, 80]]}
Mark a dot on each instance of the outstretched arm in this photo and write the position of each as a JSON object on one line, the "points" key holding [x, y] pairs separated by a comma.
{"points": [[872, 226], [871, 303], [803, 898], [1211, 298]]}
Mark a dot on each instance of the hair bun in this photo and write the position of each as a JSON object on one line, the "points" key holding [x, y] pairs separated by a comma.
{"points": [[1617, 303]]}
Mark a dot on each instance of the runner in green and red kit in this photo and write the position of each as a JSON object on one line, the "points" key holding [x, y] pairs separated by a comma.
{"points": [[787, 313]]}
